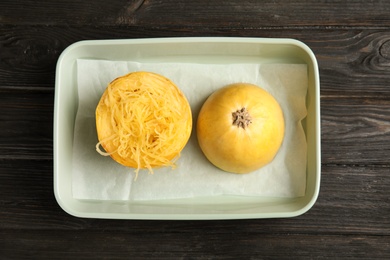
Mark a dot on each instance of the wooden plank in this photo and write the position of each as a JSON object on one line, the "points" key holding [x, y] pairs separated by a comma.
{"points": [[202, 243], [202, 13], [26, 121], [354, 63], [353, 201], [355, 130]]}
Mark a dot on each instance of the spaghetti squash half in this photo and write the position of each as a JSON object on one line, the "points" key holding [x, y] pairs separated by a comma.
{"points": [[143, 120]]}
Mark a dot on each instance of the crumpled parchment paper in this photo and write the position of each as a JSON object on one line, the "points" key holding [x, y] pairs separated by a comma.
{"points": [[100, 178]]}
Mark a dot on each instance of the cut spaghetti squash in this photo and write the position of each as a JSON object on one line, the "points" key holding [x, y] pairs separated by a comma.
{"points": [[143, 121]]}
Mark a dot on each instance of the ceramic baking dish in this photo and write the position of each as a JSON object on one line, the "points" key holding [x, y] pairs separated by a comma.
{"points": [[200, 50]]}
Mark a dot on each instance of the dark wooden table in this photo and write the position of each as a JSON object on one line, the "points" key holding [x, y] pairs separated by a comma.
{"points": [[351, 219]]}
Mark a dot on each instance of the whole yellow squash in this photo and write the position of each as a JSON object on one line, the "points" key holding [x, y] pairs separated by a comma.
{"points": [[240, 128]]}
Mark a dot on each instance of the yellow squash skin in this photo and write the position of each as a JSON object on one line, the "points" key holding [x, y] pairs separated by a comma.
{"points": [[166, 122], [240, 148]]}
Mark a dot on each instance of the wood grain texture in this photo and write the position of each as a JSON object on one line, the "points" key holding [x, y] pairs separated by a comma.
{"points": [[120, 245], [355, 131], [26, 121], [201, 13], [350, 220]]}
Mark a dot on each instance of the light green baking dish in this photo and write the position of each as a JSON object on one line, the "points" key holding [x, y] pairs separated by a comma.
{"points": [[200, 50]]}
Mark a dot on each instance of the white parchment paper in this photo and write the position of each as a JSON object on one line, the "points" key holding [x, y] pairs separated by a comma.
{"points": [[101, 178]]}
